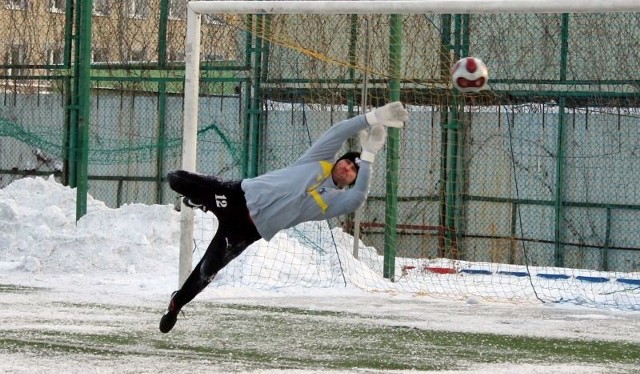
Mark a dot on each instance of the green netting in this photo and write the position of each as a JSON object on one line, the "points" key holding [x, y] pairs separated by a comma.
{"points": [[113, 151]]}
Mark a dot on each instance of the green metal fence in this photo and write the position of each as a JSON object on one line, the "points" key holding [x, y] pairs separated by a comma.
{"points": [[542, 169]]}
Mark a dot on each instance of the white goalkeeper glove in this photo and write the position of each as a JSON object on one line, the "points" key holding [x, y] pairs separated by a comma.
{"points": [[390, 115], [371, 142]]}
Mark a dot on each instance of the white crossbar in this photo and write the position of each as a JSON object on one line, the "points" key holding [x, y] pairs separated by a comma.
{"points": [[414, 6]]}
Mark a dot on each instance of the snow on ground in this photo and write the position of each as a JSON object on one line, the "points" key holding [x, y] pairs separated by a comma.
{"points": [[130, 255]]}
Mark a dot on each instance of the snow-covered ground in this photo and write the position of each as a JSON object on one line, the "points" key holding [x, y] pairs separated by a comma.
{"points": [[129, 256]]}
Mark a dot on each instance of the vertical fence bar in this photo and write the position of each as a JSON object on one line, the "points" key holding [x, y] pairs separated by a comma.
{"points": [[246, 130], [84, 93], [352, 56], [559, 200], [255, 108], [445, 117], [463, 124], [391, 211], [450, 189], [262, 114], [513, 233], [353, 59], [162, 33], [162, 99], [564, 47], [452, 158], [559, 192], [160, 139], [74, 100], [607, 243], [67, 93]]}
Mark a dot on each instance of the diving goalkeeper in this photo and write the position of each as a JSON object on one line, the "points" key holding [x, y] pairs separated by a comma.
{"points": [[318, 186]]}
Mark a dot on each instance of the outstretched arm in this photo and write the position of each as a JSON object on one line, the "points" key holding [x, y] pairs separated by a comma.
{"points": [[330, 142], [325, 148]]}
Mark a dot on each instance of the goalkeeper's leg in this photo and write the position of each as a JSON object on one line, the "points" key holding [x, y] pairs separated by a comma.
{"points": [[222, 249], [195, 283]]}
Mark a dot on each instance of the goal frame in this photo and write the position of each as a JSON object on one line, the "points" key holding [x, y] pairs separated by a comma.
{"points": [[192, 51]]}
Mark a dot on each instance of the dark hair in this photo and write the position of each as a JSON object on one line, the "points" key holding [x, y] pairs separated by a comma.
{"points": [[353, 157]]}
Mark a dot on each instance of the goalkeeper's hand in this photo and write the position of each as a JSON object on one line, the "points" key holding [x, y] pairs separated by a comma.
{"points": [[371, 142], [390, 115]]}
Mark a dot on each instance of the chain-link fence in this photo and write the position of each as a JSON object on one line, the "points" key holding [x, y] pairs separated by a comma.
{"points": [[540, 170]]}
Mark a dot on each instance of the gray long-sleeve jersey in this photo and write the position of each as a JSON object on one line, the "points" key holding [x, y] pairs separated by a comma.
{"points": [[305, 190]]}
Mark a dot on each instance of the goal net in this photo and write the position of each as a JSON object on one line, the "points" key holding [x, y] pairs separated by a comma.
{"points": [[524, 192]]}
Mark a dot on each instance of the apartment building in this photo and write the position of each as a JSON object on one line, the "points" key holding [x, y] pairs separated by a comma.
{"points": [[32, 34]]}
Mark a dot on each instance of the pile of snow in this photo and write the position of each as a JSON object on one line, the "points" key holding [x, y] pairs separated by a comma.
{"points": [[38, 232]]}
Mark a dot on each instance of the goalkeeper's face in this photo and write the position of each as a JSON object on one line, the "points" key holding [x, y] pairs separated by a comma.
{"points": [[344, 173]]}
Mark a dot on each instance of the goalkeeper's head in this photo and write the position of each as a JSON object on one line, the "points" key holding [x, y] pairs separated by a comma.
{"points": [[345, 169]]}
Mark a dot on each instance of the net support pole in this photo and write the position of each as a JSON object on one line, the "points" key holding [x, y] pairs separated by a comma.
{"points": [[189, 135], [363, 108]]}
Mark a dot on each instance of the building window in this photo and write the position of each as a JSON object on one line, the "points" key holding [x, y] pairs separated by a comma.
{"points": [[136, 56], [139, 9], [15, 55], [15, 4], [214, 57], [100, 55], [177, 9], [55, 56], [175, 56], [101, 7], [57, 6]]}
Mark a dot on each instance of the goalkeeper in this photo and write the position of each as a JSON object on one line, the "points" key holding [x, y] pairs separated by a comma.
{"points": [[313, 188]]}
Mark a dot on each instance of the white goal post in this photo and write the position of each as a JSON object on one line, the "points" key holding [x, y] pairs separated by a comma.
{"points": [[192, 50]]}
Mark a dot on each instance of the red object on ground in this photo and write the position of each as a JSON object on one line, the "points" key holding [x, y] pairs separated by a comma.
{"points": [[440, 270]]}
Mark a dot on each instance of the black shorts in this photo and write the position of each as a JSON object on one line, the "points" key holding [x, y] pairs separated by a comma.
{"points": [[224, 198]]}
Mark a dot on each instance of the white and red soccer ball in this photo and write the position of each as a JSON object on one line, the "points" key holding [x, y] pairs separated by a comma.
{"points": [[469, 74]]}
